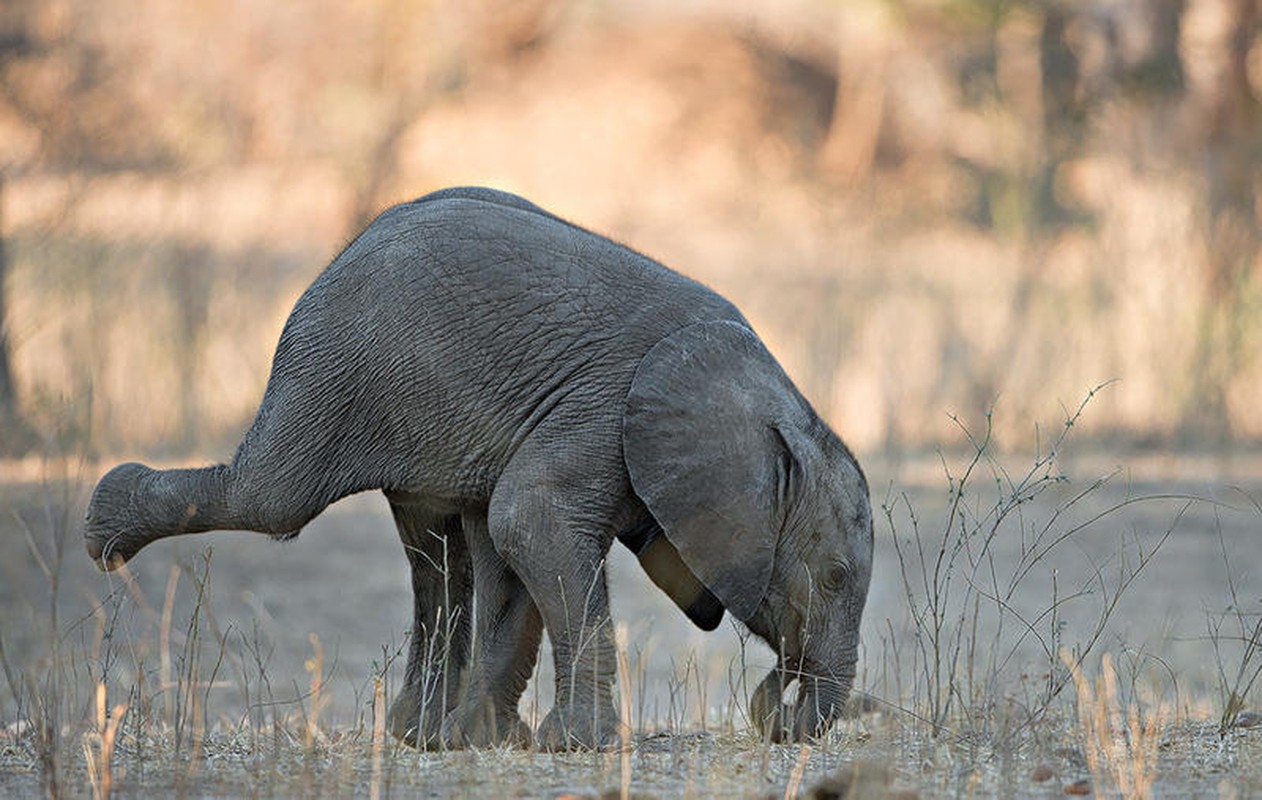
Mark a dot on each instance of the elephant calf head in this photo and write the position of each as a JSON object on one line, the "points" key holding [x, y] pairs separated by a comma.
{"points": [[763, 502]]}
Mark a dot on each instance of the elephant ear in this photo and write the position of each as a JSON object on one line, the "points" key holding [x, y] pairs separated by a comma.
{"points": [[704, 453]]}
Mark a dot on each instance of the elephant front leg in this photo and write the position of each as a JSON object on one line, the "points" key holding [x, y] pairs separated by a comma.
{"points": [[583, 649], [438, 654], [561, 562], [506, 645]]}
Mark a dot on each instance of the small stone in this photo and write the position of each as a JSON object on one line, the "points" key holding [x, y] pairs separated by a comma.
{"points": [[616, 794], [1079, 787], [1041, 773], [1248, 719], [858, 779]]}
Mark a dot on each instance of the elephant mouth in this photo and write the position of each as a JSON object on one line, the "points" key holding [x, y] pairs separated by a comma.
{"points": [[820, 701]]}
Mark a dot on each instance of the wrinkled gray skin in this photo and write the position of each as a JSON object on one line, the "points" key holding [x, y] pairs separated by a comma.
{"points": [[524, 392]]}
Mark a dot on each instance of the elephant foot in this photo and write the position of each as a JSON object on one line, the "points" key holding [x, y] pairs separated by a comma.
{"points": [[111, 530], [413, 725], [577, 731], [482, 726]]}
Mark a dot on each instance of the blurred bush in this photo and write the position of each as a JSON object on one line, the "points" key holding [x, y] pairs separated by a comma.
{"points": [[923, 205]]}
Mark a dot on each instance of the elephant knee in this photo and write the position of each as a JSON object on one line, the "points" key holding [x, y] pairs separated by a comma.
{"points": [[516, 518]]}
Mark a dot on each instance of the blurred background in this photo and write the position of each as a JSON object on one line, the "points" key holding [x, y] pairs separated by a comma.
{"points": [[925, 206]]}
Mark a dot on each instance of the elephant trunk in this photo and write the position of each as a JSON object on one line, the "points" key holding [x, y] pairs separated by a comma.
{"points": [[821, 698]]}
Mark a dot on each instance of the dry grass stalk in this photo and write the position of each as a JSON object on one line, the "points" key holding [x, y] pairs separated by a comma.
{"points": [[624, 694], [164, 647], [315, 667], [795, 777], [378, 734], [1119, 743], [98, 745]]}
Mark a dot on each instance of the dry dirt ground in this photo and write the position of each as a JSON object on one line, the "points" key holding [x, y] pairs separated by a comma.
{"points": [[282, 644]]}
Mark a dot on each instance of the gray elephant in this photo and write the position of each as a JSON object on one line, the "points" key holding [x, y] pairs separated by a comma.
{"points": [[524, 392]]}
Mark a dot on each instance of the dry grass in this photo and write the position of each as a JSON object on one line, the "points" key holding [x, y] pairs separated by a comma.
{"points": [[1120, 742], [969, 686]]}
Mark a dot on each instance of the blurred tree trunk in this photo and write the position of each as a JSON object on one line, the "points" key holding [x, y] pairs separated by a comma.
{"points": [[8, 405], [14, 437], [1233, 132], [850, 144], [501, 33], [1162, 71], [14, 42], [410, 83], [1063, 112]]}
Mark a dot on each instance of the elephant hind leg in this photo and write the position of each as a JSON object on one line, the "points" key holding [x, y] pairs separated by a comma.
{"points": [[317, 437], [506, 647], [438, 653], [302, 454], [134, 505]]}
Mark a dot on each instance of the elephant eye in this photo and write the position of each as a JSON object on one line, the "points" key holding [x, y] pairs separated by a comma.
{"points": [[835, 577]]}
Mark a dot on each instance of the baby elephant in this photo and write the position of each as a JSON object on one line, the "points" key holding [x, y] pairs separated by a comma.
{"points": [[524, 392]]}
